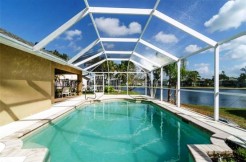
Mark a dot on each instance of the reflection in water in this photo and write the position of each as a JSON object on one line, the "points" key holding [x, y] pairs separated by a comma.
{"points": [[178, 139], [161, 127], [118, 131], [207, 99], [103, 110]]}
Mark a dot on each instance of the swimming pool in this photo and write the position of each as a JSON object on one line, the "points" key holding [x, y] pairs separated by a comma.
{"points": [[118, 131]]}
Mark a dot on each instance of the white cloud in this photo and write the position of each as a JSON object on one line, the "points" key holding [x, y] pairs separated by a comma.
{"points": [[71, 34], [192, 48], [109, 45], [203, 69], [165, 38], [235, 49], [146, 48], [113, 27], [233, 56], [146, 64], [234, 70], [231, 15], [74, 46]]}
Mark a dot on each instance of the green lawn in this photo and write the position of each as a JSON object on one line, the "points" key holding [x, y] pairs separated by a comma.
{"points": [[234, 114]]}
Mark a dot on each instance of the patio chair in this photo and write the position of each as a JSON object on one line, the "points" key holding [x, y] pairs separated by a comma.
{"points": [[66, 91]]}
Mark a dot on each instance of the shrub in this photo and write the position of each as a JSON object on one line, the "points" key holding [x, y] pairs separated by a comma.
{"points": [[241, 152], [109, 89]]}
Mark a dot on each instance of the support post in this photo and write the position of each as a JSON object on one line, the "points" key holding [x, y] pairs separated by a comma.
{"points": [[103, 83], [151, 83], [178, 84], [146, 84], [108, 82], [79, 84], [216, 82], [94, 83], [127, 82], [161, 84]]}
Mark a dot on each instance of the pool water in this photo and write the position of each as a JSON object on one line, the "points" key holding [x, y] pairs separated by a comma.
{"points": [[118, 131]]}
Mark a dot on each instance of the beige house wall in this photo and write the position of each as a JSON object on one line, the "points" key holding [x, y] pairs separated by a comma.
{"points": [[26, 83]]}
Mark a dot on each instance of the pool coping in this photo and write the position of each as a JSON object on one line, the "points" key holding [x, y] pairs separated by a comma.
{"points": [[200, 153], [204, 152]]}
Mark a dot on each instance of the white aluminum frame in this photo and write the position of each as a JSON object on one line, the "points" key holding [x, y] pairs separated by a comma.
{"points": [[122, 11], [61, 29], [119, 52], [185, 28], [158, 50], [140, 65], [98, 63], [216, 82], [145, 27], [117, 59], [178, 83], [151, 84], [88, 59], [119, 40], [129, 11], [96, 29], [83, 51], [197, 52], [161, 84], [141, 56]]}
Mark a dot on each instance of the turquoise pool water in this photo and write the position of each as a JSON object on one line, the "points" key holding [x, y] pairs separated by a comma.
{"points": [[118, 131]]}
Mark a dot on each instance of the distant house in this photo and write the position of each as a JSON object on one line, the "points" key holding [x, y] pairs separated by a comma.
{"points": [[231, 82]]}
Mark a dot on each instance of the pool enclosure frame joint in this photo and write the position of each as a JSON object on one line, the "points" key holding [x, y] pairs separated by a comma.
{"points": [[61, 29], [145, 27], [96, 29]]}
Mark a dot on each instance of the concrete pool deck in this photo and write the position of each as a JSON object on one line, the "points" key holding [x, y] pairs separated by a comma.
{"points": [[11, 144]]}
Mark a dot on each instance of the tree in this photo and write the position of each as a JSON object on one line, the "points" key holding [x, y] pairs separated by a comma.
{"points": [[243, 69], [113, 67], [242, 78], [131, 78], [156, 75], [193, 77], [171, 72], [223, 76], [58, 54]]}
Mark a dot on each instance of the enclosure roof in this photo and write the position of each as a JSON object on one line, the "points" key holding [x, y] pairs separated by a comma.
{"points": [[149, 34]]}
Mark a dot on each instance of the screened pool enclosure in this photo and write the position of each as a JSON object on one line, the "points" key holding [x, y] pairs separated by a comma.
{"points": [[146, 47]]}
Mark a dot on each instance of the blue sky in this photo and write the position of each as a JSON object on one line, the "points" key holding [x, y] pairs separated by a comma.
{"points": [[218, 19]]}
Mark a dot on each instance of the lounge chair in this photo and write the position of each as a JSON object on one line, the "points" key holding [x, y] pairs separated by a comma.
{"points": [[66, 91]]}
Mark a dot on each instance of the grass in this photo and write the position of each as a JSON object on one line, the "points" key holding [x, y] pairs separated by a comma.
{"points": [[234, 114]]}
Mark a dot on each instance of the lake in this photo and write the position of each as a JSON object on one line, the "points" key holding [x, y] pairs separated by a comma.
{"points": [[207, 99]]}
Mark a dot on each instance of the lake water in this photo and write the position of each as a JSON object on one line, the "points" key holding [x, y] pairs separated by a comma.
{"points": [[199, 98]]}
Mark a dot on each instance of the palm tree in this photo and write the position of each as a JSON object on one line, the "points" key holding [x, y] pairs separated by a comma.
{"points": [[171, 72], [243, 69], [157, 76], [193, 77]]}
